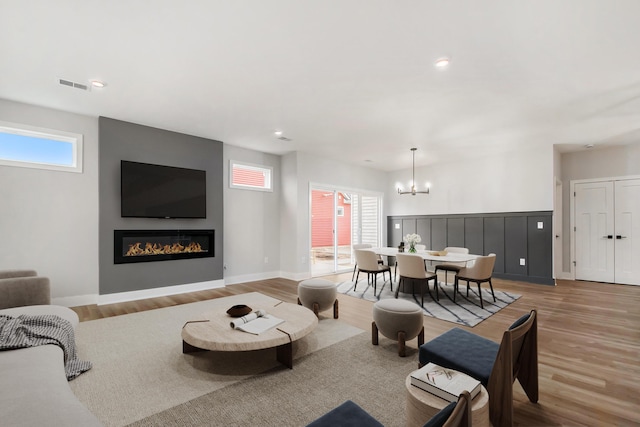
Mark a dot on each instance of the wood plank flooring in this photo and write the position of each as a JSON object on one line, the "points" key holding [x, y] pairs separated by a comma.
{"points": [[588, 333]]}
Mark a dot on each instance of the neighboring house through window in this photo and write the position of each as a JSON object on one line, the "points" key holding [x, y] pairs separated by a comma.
{"points": [[250, 177]]}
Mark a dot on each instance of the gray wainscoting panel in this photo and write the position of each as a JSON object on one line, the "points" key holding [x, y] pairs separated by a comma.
{"points": [[493, 233], [455, 232], [423, 228], [515, 245], [510, 235], [473, 235], [394, 235], [539, 242], [408, 226], [438, 234]]}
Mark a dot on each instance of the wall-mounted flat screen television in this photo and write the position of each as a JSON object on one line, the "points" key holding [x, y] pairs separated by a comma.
{"points": [[156, 191]]}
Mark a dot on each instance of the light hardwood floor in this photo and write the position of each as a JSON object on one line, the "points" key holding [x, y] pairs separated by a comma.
{"points": [[588, 334]]}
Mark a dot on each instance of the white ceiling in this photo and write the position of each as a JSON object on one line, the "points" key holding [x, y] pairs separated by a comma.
{"points": [[346, 79]]}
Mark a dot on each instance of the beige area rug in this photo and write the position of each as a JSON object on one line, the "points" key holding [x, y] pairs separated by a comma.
{"points": [[354, 369], [139, 368]]}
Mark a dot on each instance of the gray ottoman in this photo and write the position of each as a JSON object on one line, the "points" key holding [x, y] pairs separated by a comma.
{"points": [[318, 295], [397, 320]]}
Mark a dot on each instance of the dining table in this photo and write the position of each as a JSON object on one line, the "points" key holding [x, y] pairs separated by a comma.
{"points": [[427, 255]]}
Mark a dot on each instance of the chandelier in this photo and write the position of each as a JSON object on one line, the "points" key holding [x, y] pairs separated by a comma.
{"points": [[413, 191]]}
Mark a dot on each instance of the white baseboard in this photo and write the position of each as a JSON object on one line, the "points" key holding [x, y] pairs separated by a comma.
{"points": [[295, 276], [76, 300], [244, 278], [159, 292]]}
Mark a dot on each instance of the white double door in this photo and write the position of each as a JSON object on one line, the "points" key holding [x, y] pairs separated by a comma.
{"points": [[607, 231]]}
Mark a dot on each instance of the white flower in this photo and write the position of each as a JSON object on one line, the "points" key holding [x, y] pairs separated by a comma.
{"points": [[412, 239]]}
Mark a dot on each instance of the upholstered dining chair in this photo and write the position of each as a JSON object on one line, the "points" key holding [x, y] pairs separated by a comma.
{"points": [[363, 246], [451, 266], [367, 262], [495, 366], [479, 272], [412, 268]]}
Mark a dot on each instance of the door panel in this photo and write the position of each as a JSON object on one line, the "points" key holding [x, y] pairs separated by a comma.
{"points": [[594, 221], [627, 233]]}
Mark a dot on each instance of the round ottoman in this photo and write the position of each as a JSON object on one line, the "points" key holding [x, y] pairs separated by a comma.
{"points": [[398, 320], [318, 295]]}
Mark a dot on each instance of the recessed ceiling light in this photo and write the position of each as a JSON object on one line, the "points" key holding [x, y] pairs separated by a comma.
{"points": [[442, 62], [98, 83], [278, 133], [368, 161], [589, 146]]}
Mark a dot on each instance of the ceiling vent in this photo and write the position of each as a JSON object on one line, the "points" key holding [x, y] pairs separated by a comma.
{"points": [[76, 85]]}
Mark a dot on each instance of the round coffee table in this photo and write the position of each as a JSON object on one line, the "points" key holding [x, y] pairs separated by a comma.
{"points": [[212, 331], [422, 405]]}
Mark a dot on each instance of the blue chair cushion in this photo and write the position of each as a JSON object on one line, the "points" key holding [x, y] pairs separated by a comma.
{"points": [[441, 417], [349, 414], [462, 351], [520, 321]]}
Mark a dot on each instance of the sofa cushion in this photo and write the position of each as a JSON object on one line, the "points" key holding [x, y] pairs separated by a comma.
{"points": [[35, 391]]}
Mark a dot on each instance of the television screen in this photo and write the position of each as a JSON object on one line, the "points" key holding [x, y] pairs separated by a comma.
{"points": [[155, 191]]}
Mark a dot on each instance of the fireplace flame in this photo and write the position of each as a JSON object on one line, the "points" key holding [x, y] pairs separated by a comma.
{"points": [[136, 249]]}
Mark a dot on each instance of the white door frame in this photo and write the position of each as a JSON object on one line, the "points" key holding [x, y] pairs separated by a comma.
{"points": [[572, 211], [338, 188]]}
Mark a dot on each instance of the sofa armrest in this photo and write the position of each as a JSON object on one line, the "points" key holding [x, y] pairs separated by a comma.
{"points": [[21, 291], [9, 274]]}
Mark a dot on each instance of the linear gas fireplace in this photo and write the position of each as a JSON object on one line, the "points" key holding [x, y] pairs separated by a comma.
{"points": [[161, 245]]}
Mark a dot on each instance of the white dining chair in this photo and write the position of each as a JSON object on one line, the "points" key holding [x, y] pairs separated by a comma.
{"points": [[367, 262], [411, 267], [451, 266], [480, 272], [363, 246]]}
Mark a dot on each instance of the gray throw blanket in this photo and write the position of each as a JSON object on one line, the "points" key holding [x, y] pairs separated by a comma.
{"points": [[30, 331]]}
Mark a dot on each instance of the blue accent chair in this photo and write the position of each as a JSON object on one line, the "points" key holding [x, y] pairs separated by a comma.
{"points": [[349, 414], [495, 366]]}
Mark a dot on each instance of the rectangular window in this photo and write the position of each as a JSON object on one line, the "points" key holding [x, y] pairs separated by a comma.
{"points": [[250, 177], [31, 147]]}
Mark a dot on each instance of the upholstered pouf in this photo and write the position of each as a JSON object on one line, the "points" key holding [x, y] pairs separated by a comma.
{"points": [[397, 320], [318, 295]]}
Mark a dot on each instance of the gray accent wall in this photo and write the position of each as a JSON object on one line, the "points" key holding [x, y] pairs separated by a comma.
{"points": [[121, 140], [511, 236]]}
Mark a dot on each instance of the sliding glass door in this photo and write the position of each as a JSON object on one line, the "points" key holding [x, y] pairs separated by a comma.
{"points": [[340, 218]]}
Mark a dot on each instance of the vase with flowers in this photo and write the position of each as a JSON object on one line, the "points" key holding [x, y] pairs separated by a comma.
{"points": [[412, 240]]}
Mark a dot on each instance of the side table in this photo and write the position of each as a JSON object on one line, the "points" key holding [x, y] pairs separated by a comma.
{"points": [[422, 405]]}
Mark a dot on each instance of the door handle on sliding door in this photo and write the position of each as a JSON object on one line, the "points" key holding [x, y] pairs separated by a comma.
{"points": [[620, 237]]}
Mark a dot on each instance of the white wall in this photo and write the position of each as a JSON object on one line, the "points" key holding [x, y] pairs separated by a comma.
{"points": [[49, 219], [288, 215], [601, 163], [510, 182], [251, 222], [606, 162], [301, 169]]}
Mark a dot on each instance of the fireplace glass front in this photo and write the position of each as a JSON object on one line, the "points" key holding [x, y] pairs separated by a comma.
{"points": [[161, 245]]}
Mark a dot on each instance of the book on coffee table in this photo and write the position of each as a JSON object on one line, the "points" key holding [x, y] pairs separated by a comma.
{"points": [[256, 324], [443, 382]]}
